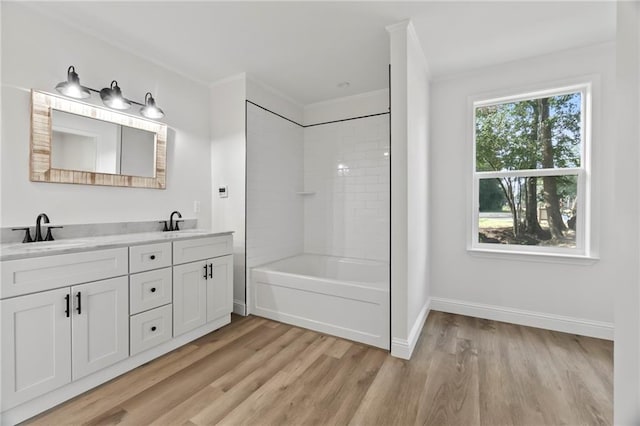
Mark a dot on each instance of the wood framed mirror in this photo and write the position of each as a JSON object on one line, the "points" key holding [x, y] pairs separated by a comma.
{"points": [[81, 143]]}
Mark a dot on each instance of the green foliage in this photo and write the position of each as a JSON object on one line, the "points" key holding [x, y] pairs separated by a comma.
{"points": [[507, 134], [491, 196], [567, 186], [511, 136]]}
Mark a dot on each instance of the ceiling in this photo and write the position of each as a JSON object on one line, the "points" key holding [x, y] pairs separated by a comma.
{"points": [[305, 49]]}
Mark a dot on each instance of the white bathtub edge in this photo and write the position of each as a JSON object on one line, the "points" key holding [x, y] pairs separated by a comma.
{"points": [[323, 327], [403, 348]]}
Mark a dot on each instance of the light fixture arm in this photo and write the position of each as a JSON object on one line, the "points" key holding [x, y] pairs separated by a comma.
{"points": [[130, 100]]}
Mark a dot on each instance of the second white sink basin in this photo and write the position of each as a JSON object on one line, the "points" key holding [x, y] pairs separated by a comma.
{"points": [[191, 232]]}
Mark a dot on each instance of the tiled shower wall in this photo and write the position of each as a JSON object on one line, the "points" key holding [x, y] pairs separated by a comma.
{"points": [[346, 164], [274, 175]]}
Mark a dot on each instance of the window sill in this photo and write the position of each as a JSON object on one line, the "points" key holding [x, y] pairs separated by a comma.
{"points": [[525, 256]]}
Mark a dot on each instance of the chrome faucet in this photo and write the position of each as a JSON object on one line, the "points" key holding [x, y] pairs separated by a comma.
{"points": [[175, 227], [38, 226]]}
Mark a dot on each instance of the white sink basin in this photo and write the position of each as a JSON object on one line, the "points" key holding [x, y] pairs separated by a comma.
{"points": [[46, 245], [176, 234]]}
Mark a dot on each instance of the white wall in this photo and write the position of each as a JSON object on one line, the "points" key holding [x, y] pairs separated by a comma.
{"points": [[627, 303], [417, 183], [346, 168], [573, 297], [368, 103], [228, 160], [409, 189], [275, 219], [270, 98], [228, 153], [40, 61]]}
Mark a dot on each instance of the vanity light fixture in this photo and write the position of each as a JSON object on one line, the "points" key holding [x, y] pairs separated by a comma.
{"points": [[150, 110], [72, 87], [112, 97]]}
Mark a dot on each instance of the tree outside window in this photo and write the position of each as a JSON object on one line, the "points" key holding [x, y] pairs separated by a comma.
{"points": [[529, 173]]}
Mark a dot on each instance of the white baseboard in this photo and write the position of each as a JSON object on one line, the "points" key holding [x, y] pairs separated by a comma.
{"points": [[239, 308], [403, 348], [583, 327]]}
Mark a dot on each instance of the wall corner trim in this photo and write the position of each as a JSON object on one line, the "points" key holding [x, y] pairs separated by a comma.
{"points": [[250, 78], [402, 25], [582, 327], [239, 308], [229, 79], [403, 348]]}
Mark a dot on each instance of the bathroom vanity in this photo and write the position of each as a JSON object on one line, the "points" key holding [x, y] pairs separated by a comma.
{"points": [[76, 313]]}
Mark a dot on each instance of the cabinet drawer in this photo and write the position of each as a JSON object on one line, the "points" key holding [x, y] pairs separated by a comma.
{"points": [[148, 290], [149, 256], [201, 248], [150, 328], [25, 276]]}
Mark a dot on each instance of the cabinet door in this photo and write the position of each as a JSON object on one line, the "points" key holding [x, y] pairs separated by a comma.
{"points": [[220, 287], [36, 345], [100, 325], [189, 297]]}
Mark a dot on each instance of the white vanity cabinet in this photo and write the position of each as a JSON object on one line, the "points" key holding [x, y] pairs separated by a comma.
{"points": [[53, 337], [203, 283], [69, 322]]}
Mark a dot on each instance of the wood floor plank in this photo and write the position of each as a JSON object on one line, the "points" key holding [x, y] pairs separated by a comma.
{"points": [[271, 404], [309, 362], [236, 391], [398, 385], [464, 371], [94, 403], [173, 390], [218, 390], [451, 391], [339, 348], [337, 403]]}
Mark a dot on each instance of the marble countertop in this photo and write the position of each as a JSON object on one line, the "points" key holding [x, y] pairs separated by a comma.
{"points": [[13, 251]]}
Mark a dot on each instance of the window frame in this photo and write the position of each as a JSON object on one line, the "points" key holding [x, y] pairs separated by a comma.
{"points": [[583, 173]]}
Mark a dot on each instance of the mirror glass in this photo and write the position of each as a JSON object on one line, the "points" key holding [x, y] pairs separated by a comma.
{"points": [[90, 145], [81, 143]]}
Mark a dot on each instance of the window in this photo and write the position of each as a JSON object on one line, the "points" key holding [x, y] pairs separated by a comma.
{"points": [[530, 174]]}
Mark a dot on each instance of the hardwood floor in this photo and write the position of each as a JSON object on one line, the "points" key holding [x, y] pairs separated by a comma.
{"points": [[464, 371]]}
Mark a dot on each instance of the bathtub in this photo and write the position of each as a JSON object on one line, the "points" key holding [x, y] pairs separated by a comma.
{"points": [[344, 297]]}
